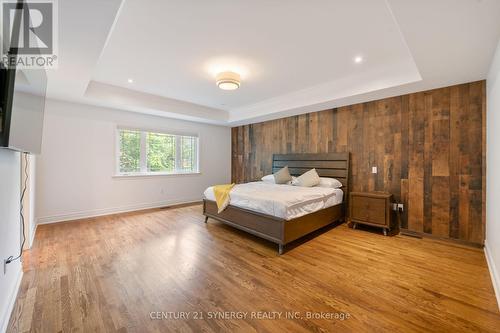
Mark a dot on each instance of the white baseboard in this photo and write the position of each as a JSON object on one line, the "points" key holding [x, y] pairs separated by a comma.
{"points": [[5, 317], [495, 274], [114, 210], [32, 236]]}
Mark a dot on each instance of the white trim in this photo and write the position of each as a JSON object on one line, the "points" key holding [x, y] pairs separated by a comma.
{"points": [[495, 274], [154, 174], [178, 154], [143, 152], [113, 210], [12, 300], [117, 151], [166, 131], [32, 234]]}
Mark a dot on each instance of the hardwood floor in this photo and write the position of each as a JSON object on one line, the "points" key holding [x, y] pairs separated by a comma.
{"points": [[110, 274]]}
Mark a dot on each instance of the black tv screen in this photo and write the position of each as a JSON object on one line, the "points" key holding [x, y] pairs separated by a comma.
{"points": [[22, 108], [22, 100]]}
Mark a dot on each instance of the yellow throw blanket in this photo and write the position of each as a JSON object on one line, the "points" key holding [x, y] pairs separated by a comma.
{"points": [[221, 193]]}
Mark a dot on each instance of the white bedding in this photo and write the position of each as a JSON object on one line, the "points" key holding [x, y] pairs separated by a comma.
{"points": [[284, 201]]}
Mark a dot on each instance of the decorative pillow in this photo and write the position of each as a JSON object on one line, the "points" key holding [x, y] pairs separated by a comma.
{"points": [[282, 176], [329, 182], [268, 179], [307, 179]]}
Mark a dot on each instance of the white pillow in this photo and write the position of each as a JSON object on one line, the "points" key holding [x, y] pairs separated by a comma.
{"points": [[329, 182], [270, 179], [307, 179], [282, 176]]}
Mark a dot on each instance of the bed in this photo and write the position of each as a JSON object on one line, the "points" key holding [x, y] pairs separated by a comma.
{"points": [[293, 212]]}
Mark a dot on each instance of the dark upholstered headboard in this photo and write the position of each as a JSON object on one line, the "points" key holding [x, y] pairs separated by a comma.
{"points": [[334, 165]]}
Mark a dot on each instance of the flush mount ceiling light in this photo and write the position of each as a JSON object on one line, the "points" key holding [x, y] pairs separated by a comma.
{"points": [[130, 81], [228, 80], [358, 59]]}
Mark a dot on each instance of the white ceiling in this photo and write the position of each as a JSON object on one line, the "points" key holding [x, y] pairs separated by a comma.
{"points": [[293, 56]]}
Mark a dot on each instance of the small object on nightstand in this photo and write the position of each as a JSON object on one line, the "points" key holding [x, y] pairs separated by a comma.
{"points": [[371, 208]]}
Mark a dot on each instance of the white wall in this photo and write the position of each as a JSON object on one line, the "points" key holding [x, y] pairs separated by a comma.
{"points": [[31, 191], [492, 245], [75, 169], [29, 198], [10, 236]]}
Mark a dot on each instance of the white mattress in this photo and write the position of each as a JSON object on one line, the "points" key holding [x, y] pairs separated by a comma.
{"points": [[284, 201]]}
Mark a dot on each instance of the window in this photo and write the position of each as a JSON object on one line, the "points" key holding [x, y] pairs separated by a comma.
{"points": [[144, 152]]}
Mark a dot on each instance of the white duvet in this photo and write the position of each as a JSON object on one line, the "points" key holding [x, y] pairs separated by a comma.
{"points": [[284, 201]]}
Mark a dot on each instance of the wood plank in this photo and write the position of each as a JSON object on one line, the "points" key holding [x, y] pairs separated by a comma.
{"points": [[405, 101], [454, 161], [314, 157], [321, 172], [404, 199], [440, 206], [311, 164], [428, 158], [416, 163], [483, 160]]}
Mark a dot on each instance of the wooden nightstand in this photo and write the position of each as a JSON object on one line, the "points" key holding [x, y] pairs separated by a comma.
{"points": [[371, 208]]}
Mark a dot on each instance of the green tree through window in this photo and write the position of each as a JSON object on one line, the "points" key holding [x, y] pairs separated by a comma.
{"points": [[188, 152], [150, 152], [130, 151], [161, 152]]}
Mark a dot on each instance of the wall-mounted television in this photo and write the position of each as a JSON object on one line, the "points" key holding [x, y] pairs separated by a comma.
{"points": [[22, 104], [22, 101]]}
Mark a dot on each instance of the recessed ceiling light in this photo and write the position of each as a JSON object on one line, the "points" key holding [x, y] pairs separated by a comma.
{"points": [[228, 80], [130, 81], [358, 59]]}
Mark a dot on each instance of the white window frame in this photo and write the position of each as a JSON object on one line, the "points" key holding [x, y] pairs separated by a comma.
{"points": [[143, 153]]}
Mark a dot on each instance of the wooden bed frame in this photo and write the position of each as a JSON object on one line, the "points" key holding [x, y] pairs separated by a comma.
{"points": [[281, 231]]}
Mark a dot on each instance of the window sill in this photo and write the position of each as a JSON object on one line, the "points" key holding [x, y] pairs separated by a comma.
{"points": [[153, 175]]}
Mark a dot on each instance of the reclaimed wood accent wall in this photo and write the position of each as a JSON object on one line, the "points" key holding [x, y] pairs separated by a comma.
{"points": [[429, 148]]}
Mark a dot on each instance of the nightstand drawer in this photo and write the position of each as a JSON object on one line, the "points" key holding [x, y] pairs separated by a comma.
{"points": [[376, 210], [359, 209], [372, 208], [369, 209]]}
